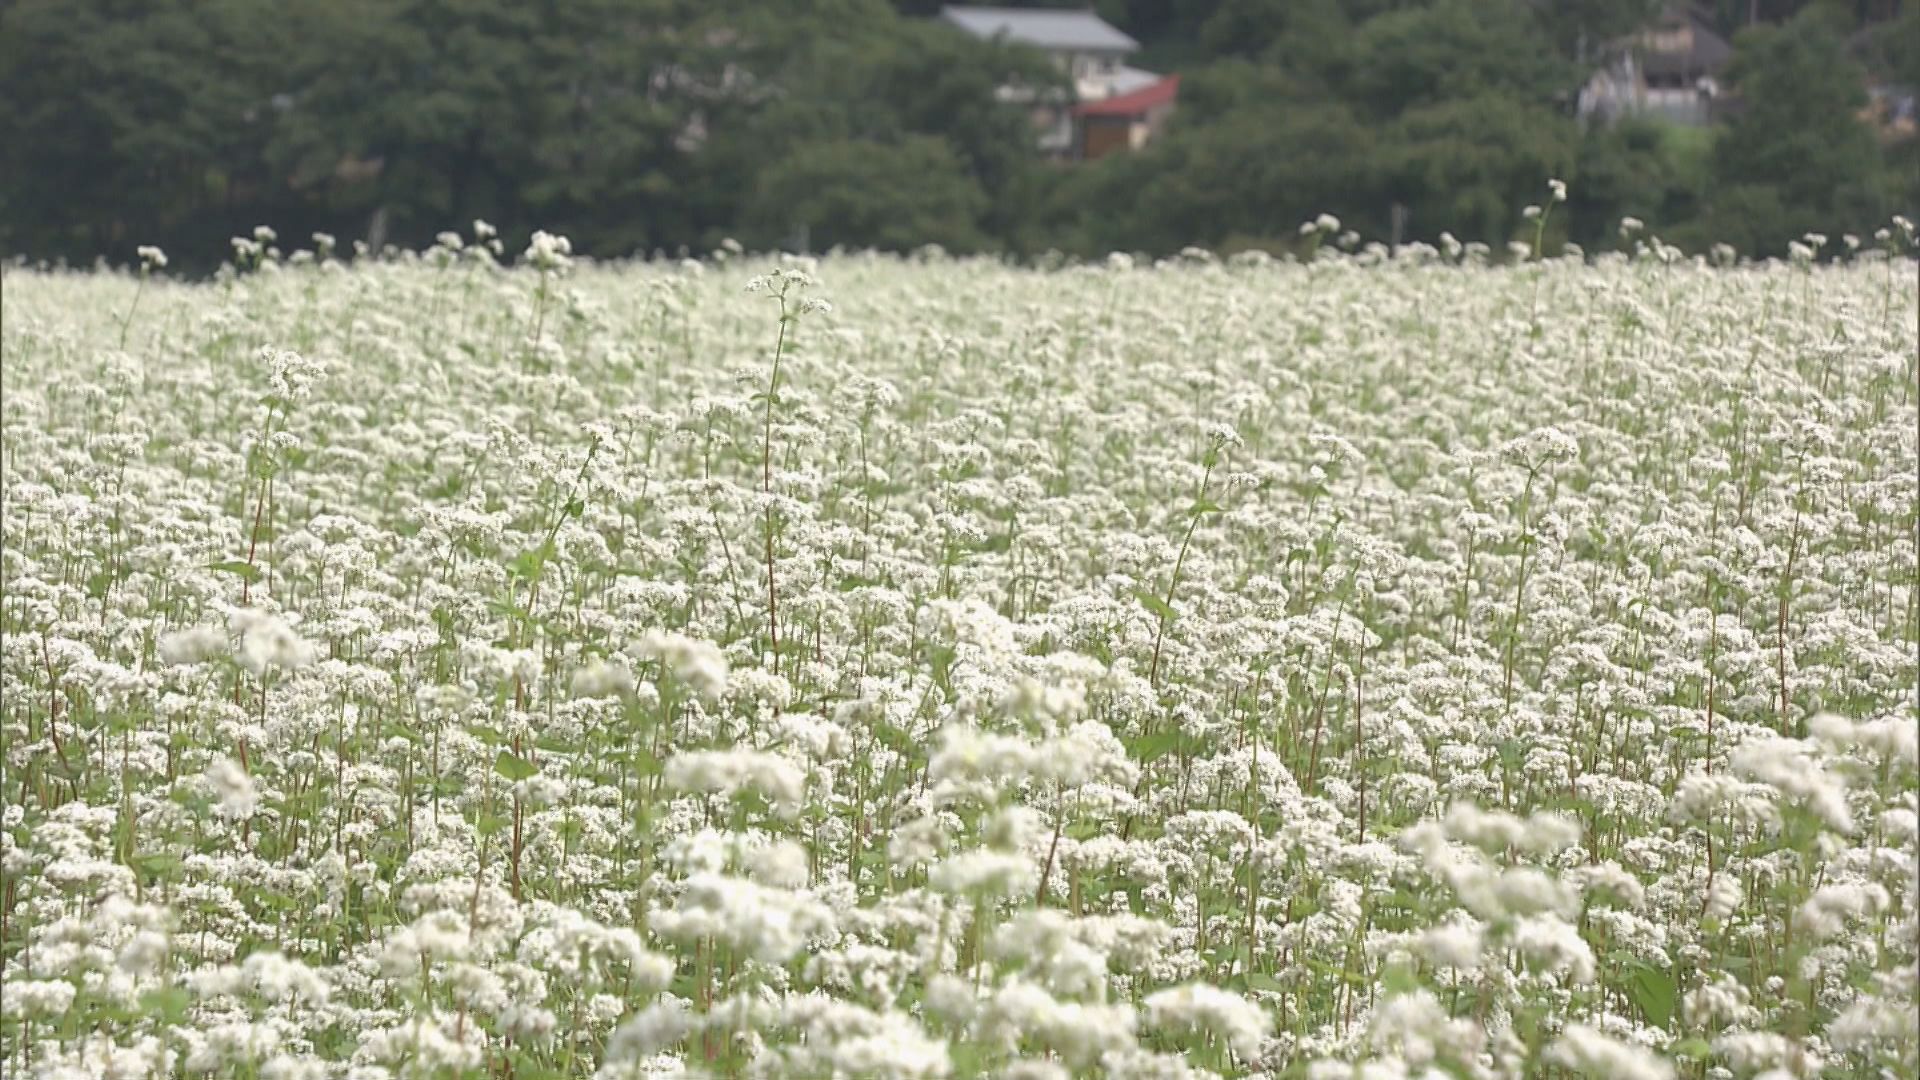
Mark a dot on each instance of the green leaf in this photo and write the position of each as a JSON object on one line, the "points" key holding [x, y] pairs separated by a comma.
{"points": [[1154, 747], [246, 571], [511, 611], [644, 763], [170, 1004], [514, 767], [526, 564], [157, 864], [1513, 753], [1156, 605], [940, 658], [1654, 992], [1399, 979], [1693, 1049]]}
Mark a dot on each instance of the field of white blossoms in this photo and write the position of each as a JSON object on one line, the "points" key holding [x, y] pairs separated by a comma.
{"points": [[467, 664]]}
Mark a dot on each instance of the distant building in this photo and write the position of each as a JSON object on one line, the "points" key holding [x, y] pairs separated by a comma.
{"points": [[1124, 122], [1893, 106], [1669, 70], [1092, 53], [1893, 111]]}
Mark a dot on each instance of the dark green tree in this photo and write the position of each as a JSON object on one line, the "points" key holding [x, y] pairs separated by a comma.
{"points": [[1248, 177], [1646, 169], [1470, 166], [127, 125], [1796, 157], [893, 195], [1452, 50], [873, 87], [559, 116], [658, 124]]}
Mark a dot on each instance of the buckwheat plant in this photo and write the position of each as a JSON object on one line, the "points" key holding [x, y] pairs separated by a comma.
{"points": [[1395, 663]]}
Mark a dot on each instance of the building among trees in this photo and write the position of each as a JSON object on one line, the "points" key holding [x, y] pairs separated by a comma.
{"points": [[1113, 105], [1670, 70], [1124, 122], [670, 125]]}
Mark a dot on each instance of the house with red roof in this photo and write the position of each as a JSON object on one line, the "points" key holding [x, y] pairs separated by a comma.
{"points": [[1114, 106], [1125, 121]]}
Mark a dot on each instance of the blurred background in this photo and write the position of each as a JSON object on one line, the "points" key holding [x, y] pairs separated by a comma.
{"points": [[641, 126]]}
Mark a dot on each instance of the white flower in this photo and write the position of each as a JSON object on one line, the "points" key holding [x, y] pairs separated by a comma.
{"points": [[547, 252], [697, 663], [603, 679], [649, 1031], [1589, 1052], [1825, 913], [1724, 897], [983, 872], [729, 772], [1237, 1022], [1416, 1028], [1454, 946], [37, 998], [290, 376], [267, 643], [1079, 1033], [769, 924], [235, 1045], [1788, 766], [426, 1042], [194, 645], [233, 788], [781, 864], [1549, 943]]}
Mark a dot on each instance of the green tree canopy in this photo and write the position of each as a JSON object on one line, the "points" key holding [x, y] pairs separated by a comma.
{"points": [[1796, 157], [636, 125], [859, 193]]}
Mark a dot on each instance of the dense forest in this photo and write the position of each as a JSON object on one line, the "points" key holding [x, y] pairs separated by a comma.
{"points": [[662, 125]]}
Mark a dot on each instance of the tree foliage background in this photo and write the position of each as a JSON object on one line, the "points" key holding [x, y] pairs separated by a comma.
{"points": [[656, 125]]}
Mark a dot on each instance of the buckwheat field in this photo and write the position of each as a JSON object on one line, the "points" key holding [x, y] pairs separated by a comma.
{"points": [[482, 664]]}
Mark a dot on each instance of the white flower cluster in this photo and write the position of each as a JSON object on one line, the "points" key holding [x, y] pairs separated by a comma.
{"points": [[1384, 664]]}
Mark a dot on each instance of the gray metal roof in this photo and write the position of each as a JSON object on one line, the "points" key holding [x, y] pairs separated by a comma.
{"points": [[1064, 31]]}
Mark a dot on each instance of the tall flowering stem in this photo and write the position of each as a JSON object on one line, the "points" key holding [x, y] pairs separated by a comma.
{"points": [[785, 287]]}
